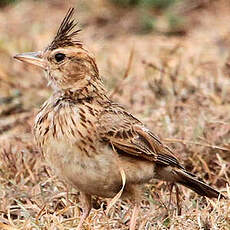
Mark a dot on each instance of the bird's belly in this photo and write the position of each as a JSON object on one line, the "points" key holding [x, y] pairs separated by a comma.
{"points": [[97, 174]]}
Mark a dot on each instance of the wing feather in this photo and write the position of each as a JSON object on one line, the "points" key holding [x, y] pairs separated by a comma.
{"points": [[129, 136]]}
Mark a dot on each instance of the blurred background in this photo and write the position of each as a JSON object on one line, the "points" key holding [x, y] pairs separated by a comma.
{"points": [[166, 61]]}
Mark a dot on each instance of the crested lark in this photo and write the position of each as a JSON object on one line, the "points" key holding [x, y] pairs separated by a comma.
{"points": [[91, 142]]}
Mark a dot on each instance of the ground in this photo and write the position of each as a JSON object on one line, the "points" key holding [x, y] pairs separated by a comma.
{"points": [[176, 82]]}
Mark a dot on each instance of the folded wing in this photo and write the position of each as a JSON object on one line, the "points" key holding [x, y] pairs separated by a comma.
{"points": [[127, 135]]}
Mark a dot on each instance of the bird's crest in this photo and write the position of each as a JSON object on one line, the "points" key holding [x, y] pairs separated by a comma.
{"points": [[66, 34]]}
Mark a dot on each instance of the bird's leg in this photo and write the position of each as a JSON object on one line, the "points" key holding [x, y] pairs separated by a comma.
{"points": [[178, 199], [134, 216], [86, 207], [170, 195]]}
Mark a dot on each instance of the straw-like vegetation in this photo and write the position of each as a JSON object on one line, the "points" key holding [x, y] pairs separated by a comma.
{"points": [[176, 81]]}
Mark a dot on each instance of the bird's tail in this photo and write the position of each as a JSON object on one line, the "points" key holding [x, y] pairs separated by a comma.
{"points": [[189, 180]]}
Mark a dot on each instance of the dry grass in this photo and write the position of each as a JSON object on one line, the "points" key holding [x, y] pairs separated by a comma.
{"points": [[179, 87]]}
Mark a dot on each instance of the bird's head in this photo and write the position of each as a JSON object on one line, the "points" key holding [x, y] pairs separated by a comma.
{"points": [[67, 64]]}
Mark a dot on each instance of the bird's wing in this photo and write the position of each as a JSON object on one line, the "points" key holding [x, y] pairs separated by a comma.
{"points": [[127, 135]]}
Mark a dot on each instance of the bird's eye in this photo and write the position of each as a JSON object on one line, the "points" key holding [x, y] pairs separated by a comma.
{"points": [[59, 57]]}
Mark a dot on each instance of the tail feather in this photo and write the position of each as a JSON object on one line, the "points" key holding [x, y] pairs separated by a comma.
{"points": [[189, 180]]}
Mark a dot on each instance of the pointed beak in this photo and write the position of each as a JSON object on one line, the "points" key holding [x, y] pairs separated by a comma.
{"points": [[34, 58]]}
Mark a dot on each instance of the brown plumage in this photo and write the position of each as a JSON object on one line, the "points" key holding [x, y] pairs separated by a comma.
{"points": [[90, 141], [65, 35]]}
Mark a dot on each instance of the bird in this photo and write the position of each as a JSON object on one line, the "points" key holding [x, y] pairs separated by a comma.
{"points": [[92, 143]]}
